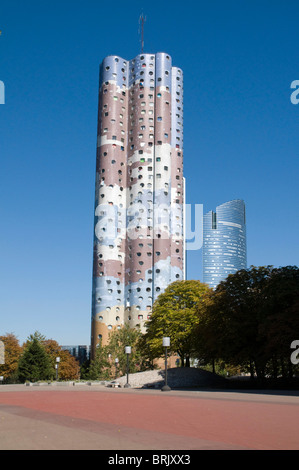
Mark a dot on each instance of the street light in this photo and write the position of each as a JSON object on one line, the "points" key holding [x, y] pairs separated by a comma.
{"points": [[56, 366], [128, 352], [166, 344], [116, 362]]}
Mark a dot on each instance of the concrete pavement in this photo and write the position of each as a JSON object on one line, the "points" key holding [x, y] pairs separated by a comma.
{"points": [[64, 417]]}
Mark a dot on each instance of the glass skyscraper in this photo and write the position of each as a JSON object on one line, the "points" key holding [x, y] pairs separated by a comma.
{"points": [[224, 242]]}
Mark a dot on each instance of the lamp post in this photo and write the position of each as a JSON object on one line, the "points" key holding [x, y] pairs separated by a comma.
{"points": [[166, 344], [116, 362], [128, 352], [56, 366]]}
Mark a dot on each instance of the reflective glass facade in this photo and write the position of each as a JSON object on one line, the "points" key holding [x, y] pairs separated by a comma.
{"points": [[224, 242]]}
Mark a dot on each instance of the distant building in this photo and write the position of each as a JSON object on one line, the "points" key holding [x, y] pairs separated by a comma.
{"points": [[138, 226], [81, 353], [224, 242]]}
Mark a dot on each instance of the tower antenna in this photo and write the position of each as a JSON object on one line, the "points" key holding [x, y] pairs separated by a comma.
{"points": [[142, 20]]}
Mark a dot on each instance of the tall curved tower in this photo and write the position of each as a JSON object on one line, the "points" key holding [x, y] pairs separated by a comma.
{"points": [[224, 242], [139, 233]]}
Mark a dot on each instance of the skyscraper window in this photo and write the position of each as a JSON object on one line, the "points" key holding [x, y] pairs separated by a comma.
{"points": [[224, 242]]}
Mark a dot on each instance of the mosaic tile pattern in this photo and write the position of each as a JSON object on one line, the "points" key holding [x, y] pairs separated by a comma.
{"points": [[139, 230]]}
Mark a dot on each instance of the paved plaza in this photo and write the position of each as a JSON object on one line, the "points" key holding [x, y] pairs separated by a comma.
{"points": [[82, 417]]}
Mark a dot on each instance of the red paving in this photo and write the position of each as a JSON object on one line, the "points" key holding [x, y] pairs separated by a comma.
{"points": [[122, 419]]}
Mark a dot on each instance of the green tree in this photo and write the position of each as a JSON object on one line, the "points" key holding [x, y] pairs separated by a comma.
{"points": [[34, 363], [103, 365], [84, 370], [99, 367], [175, 314], [233, 319], [118, 340], [251, 319], [281, 324], [36, 336]]}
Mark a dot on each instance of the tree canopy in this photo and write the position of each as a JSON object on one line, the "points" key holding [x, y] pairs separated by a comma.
{"points": [[252, 318], [35, 360], [103, 365], [175, 314], [248, 322], [34, 363]]}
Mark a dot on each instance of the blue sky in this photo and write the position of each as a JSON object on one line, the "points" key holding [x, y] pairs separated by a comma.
{"points": [[241, 137]]}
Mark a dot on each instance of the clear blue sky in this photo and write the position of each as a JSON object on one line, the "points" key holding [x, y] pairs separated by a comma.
{"points": [[241, 137]]}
